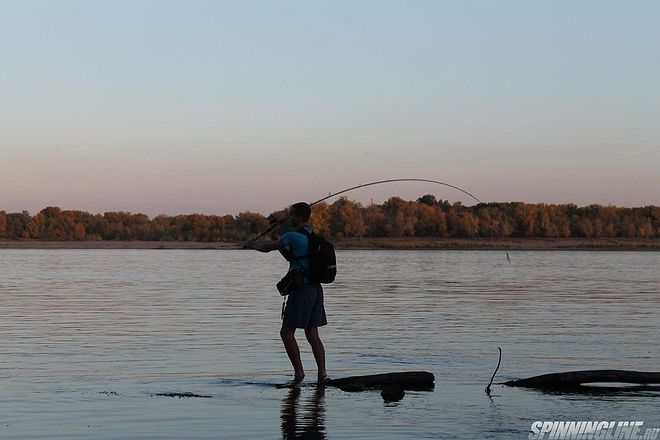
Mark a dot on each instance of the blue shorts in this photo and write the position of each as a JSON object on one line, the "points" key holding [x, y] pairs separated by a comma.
{"points": [[304, 308]]}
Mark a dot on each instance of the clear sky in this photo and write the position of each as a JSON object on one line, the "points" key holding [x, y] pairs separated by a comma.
{"points": [[221, 107]]}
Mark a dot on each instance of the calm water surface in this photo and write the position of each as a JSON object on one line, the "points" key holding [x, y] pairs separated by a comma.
{"points": [[89, 337]]}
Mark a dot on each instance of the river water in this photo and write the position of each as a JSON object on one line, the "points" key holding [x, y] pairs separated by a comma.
{"points": [[90, 337]]}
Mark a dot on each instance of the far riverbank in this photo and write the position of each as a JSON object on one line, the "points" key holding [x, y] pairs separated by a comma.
{"points": [[607, 244]]}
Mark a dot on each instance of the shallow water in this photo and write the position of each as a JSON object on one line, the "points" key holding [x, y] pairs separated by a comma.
{"points": [[89, 337]]}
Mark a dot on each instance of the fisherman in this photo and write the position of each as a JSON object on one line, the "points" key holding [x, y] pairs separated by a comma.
{"points": [[304, 306]]}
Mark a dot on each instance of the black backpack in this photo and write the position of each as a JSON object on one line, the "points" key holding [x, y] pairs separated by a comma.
{"points": [[323, 262]]}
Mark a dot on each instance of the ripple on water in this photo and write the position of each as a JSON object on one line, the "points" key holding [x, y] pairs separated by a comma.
{"points": [[90, 336]]}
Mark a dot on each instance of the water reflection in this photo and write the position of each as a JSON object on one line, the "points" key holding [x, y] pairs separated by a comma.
{"points": [[311, 423]]}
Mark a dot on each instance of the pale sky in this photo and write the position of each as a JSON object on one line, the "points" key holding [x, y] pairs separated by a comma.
{"points": [[221, 107]]}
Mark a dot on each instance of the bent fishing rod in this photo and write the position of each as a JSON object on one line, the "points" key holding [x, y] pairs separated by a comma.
{"points": [[364, 185]]}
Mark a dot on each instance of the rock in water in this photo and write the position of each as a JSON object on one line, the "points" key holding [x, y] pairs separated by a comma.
{"points": [[392, 393]]}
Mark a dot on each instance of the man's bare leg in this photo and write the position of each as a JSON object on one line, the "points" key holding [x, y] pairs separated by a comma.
{"points": [[312, 334], [292, 350]]}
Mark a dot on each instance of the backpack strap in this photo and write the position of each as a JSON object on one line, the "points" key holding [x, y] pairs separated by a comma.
{"points": [[305, 232]]}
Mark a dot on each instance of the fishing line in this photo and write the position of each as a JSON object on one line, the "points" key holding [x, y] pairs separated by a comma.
{"points": [[364, 185]]}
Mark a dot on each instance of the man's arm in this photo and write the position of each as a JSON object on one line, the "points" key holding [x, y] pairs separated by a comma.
{"points": [[265, 246]]}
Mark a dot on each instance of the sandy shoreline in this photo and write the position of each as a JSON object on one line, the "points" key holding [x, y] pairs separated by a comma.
{"points": [[609, 244], [614, 244], [39, 244]]}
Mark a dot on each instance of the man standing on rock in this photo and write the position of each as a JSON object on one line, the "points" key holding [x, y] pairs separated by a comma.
{"points": [[304, 306]]}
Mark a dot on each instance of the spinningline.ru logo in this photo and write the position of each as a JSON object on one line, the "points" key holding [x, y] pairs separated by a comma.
{"points": [[591, 430]]}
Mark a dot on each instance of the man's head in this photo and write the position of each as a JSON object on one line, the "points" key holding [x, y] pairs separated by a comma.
{"points": [[300, 213]]}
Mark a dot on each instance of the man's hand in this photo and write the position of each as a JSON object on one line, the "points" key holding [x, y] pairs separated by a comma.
{"points": [[273, 220]]}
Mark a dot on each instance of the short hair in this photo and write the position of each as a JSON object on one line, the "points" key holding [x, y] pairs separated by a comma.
{"points": [[301, 209]]}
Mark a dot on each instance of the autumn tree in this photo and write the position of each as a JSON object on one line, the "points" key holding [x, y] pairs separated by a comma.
{"points": [[249, 224], [3, 224], [400, 217], [16, 225], [374, 220], [346, 218], [320, 219], [431, 220], [426, 217]]}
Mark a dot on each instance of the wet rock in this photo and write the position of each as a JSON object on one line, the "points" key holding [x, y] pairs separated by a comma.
{"points": [[182, 395], [392, 393], [109, 393]]}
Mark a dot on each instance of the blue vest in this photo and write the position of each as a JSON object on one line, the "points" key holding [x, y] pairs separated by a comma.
{"points": [[298, 244]]}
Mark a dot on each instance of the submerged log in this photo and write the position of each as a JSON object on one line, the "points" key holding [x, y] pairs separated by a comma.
{"points": [[576, 379], [413, 380]]}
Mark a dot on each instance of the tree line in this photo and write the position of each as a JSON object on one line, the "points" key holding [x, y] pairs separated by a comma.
{"points": [[395, 218]]}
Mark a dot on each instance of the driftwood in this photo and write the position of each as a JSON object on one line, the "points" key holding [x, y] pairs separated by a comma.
{"points": [[575, 380], [413, 380]]}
